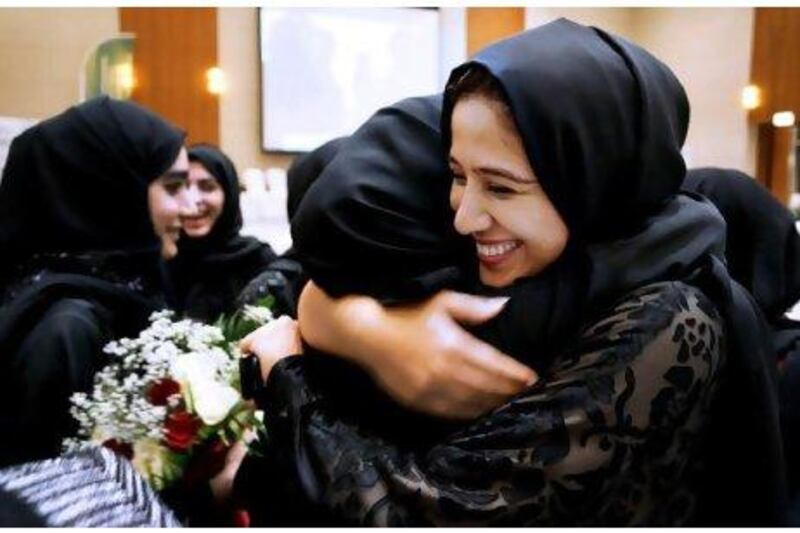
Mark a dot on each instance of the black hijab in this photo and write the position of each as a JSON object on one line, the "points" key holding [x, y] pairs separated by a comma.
{"points": [[602, 122], [762, 244], [208, 272], [73, 205], [305, 170]]}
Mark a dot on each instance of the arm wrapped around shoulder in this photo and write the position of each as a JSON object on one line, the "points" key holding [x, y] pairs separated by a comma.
{"points": [[614, 436]]}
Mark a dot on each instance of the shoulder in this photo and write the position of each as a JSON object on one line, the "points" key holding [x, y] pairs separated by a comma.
{"points": [[668, 330]]}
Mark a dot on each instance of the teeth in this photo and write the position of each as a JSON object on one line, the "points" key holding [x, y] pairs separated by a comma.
{"points": [[490, 250]]}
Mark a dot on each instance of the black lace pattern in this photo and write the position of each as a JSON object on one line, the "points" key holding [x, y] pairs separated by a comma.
{"points": [[612, 437]]}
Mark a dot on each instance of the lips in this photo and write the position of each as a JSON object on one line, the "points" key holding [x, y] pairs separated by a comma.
{"points": [[494, 253], [195, 223]]}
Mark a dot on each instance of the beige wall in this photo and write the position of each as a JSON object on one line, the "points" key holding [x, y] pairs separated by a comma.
{"points": [[239, 107], [709, 50], [42, 53], [614, 19]]}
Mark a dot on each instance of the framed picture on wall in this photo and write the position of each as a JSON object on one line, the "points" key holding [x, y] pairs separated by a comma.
{"points": [[324, 71]]}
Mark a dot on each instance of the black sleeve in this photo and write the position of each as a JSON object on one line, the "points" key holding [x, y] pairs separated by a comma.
{"points": [[611, 437]]}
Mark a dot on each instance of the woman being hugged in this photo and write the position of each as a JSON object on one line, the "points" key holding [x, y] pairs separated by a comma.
{"points": [[564, 150]]}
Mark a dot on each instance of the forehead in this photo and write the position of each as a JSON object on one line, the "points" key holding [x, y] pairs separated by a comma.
{"points": [[480, 124], [198, 172]]}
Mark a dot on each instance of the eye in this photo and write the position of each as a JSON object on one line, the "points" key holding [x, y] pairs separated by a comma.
{"points": [[500, 190], [208, 185], [173, 187]]}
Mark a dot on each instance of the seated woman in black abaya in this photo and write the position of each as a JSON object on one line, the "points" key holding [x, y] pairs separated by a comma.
{"points": [[89, 204], [214, 262], [641, 381]]}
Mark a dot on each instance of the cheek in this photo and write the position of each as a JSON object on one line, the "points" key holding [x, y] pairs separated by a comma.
{"points": [[216, 201]]}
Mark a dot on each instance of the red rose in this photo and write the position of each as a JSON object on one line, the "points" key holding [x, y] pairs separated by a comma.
{"points": [[120, 448], [181, 430], [161, 390]]}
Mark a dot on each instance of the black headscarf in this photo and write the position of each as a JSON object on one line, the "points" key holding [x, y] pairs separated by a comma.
{"points": [[305, 170], [602, 122], [73, 201], [762, 245], [208, 272]]}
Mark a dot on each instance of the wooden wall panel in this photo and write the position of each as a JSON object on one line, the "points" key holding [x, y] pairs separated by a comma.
{"points": [[775, 66], [486, 25], [173, 49]]}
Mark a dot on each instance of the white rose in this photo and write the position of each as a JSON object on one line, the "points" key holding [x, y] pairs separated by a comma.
{"points": [[213, 400]]}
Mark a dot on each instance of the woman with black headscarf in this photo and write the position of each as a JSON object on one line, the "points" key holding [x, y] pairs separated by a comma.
{"points": [[89, 204], [649, 356], [762, 248], [214, 262]]}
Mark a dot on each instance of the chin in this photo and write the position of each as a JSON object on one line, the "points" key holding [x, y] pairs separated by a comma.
{"points": [[496, 279], [197, 233]]}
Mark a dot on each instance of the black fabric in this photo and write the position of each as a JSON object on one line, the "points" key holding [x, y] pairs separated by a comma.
{"points": [[762, 247], [603, 131], [613, 438], [82, 263], [305, 170], [209, 272], [763, 255]]}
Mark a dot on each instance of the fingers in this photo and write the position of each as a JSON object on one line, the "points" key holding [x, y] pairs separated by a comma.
{"points": [[469, 309]]}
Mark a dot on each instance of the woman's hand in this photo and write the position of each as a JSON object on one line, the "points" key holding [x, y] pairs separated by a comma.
{"points": [[222, 483], [419, 354], [272, 342]]}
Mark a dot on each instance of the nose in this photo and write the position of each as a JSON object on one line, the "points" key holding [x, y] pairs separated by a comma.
{"points": [[471, 216], [189, 201]]}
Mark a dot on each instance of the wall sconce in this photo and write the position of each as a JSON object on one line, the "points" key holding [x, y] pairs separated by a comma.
{"points": [[783, 119], [215, 81], [751, 97]]}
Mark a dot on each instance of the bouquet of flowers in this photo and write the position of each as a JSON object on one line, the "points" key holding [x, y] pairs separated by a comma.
{"points": [[171, 396]]}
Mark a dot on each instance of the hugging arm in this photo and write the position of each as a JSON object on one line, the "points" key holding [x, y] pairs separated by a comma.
{"points": [[607, 439], [418, 353]]}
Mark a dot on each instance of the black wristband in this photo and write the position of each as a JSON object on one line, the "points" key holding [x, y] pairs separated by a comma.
{"points": [[250, 376]]}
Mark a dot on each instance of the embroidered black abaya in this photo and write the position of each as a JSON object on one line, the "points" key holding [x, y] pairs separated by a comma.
{"points": [[641, 329], [81, 260], [209, 272]]}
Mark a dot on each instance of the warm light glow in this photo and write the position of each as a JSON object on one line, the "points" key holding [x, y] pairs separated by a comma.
{"points": [[123, 75], [751, 97], [215, 80], [783, 119]]}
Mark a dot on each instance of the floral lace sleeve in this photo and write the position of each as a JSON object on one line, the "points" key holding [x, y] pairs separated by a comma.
{"points": [[610, 438]]}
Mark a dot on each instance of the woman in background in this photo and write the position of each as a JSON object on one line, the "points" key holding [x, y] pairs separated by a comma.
{"points": [[89, 205], [214, 262], [565, 156]]}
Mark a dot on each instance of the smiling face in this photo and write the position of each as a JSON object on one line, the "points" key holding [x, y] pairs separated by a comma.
{"points": [[167, 199], [496, 197], [207, 198]]}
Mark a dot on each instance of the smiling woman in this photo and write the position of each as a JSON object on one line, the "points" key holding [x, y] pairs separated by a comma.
{"points": [[214, 262], [497, 199]]}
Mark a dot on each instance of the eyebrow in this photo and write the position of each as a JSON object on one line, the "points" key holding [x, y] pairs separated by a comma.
{"points": [[177, 174], [503, 173]]}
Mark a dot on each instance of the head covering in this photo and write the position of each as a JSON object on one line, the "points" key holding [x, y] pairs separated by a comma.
{"points": [[208, 272], [74, 213], [602, 122], [78, 181], [305, 170], [360, 229], [762, 244]]}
